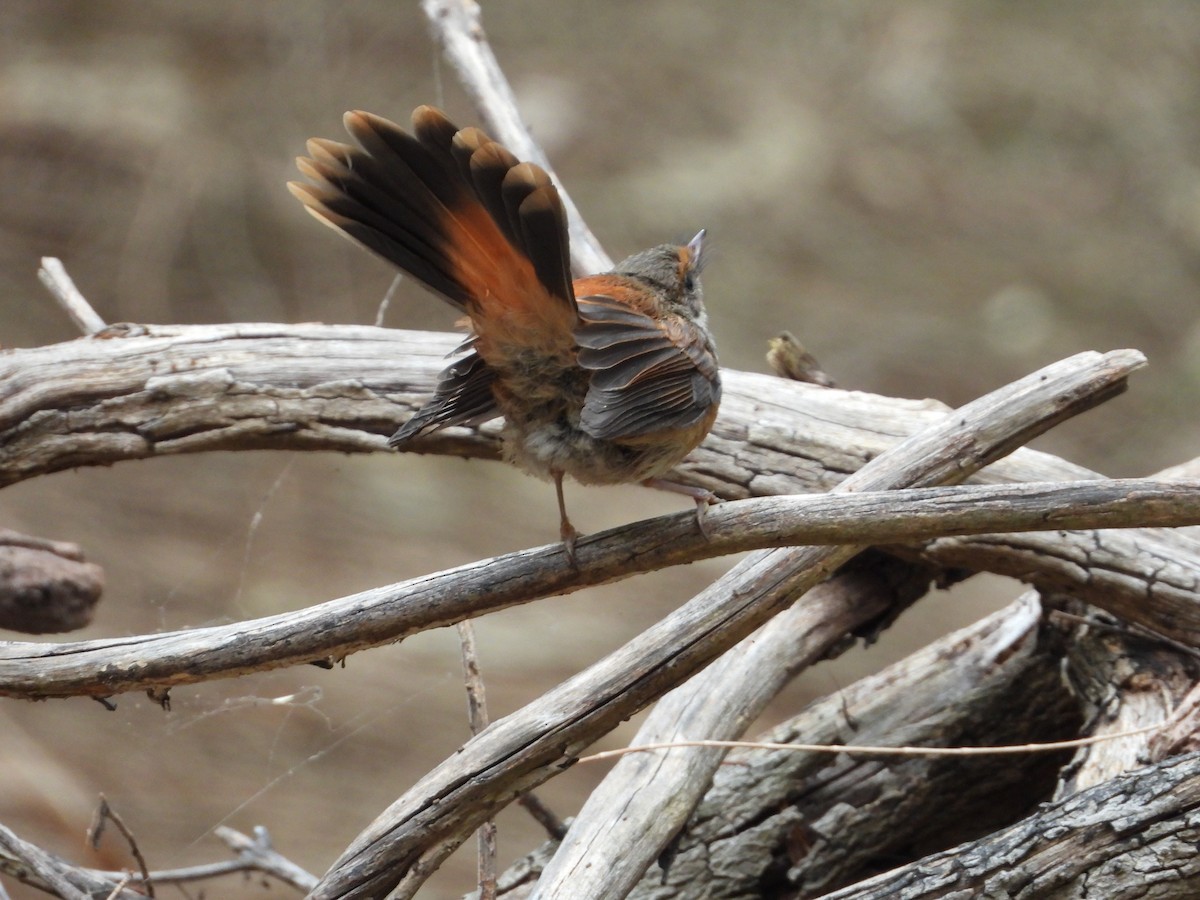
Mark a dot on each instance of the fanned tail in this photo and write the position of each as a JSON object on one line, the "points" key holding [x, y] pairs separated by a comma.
{"points": [[458, 212], [471, 222]]}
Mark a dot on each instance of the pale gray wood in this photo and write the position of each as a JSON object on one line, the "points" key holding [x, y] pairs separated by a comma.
{"points": [[31, 864], [411, 838], [844, 814], [132, 392], [135, 391], [645, 799], [811, 821], [339, 627], [53, 274]]}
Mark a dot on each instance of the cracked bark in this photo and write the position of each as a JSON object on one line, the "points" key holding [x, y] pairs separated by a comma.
{"points": [[1132, 836], [171, 390], [139, 391]]}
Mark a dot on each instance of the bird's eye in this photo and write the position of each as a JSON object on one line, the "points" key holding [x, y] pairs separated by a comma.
{"points": [[689, 282]]}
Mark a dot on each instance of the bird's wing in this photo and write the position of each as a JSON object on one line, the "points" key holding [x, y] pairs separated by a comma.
{"points": [[647, 374]]}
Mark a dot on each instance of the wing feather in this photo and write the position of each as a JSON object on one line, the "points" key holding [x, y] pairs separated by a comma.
{"points": [[643, 377]]}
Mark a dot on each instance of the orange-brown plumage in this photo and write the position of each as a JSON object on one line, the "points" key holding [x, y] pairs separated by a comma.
{"points": [[611, 378]]}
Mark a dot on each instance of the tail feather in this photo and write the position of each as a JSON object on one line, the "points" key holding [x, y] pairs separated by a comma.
{"points": [[459, 213], [484, 165], [541, 216], [336, 202]]}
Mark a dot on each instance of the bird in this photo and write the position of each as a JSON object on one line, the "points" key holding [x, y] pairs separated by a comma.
{"points": [[608, 379]]}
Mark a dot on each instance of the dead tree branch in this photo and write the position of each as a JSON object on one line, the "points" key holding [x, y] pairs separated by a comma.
{"points": [[644, 801], [165, 390], [1131, 836], [337, 628], [808, 822], [30, 864], [410, 839]]}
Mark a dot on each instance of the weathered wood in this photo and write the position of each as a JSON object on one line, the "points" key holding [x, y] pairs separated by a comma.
{"points": [[802, 824], [411, 838], [643, 803], [1124, 681], [787, 823], [134, 392], [33, 865], [1133, 836], [339, 627]]}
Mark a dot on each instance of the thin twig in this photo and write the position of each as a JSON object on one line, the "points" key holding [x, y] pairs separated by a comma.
{"points": [[543, 815], [862, 750], [53, 274], [104, 813], [477, 714], [255, 854], [119, 887], [381, 312]]}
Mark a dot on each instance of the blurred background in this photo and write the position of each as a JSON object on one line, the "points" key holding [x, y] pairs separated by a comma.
{"points": [[937, 198]]}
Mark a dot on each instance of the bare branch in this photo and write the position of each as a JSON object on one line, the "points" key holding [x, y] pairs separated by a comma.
{"points": [[337, 628], [543, 815], [1115, 839], [410, 839], [477, 714], [994, 681], [32, 865], [644, 801], [175, 390], [158, 390], [459, 33], [53, 274], [258, 854], [255, 854], [163, 390], [105, 813]]}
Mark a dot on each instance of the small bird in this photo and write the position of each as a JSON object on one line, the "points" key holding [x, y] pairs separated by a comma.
{"points": [[610, 379]]}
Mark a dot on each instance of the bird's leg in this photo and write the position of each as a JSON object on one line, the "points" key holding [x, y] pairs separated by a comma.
{"points": [[703, 497], [565, 529]]}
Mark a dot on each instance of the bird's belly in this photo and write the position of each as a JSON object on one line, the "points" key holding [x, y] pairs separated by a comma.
{"points": [[544, 449], [559, 447]]}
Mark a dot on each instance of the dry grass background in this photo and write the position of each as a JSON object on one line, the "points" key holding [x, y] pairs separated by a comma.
{"points": [[936, 197]]}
